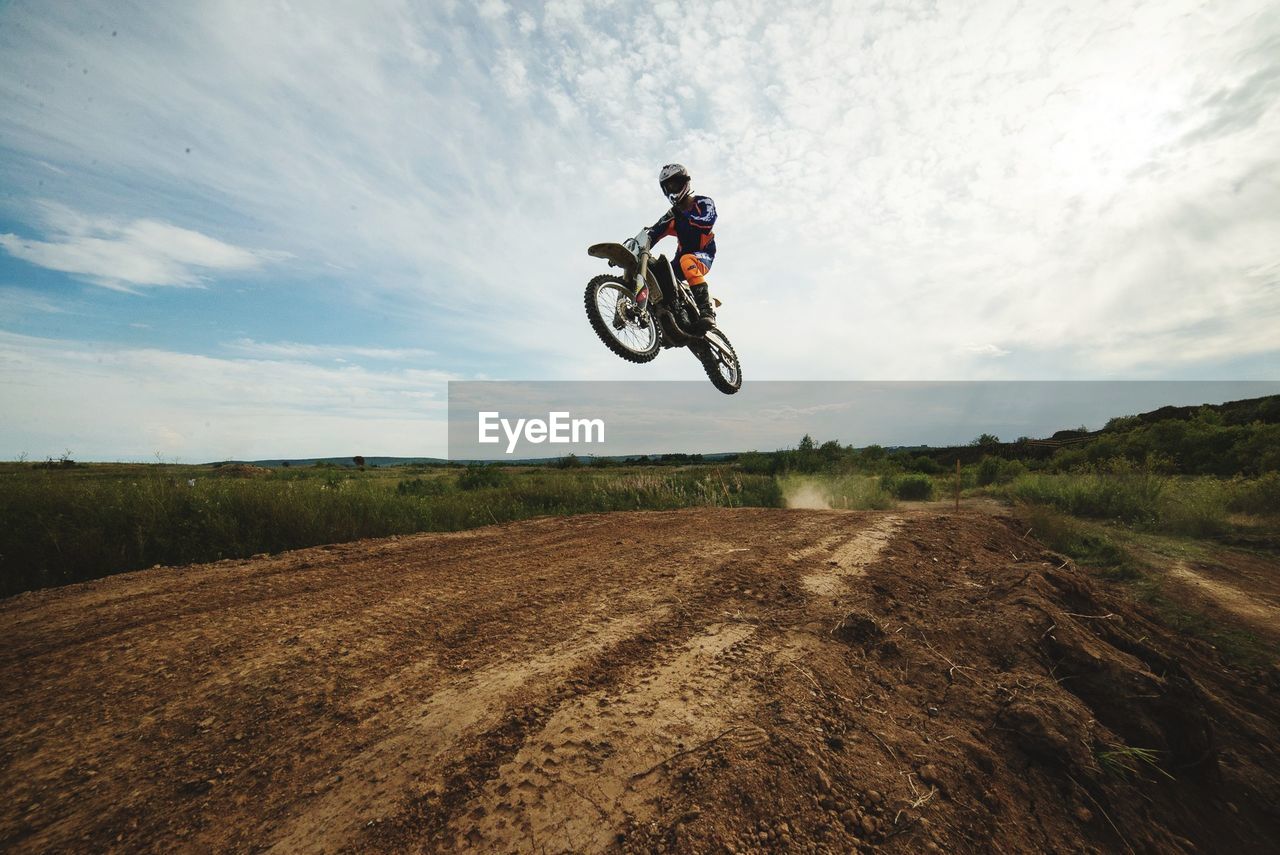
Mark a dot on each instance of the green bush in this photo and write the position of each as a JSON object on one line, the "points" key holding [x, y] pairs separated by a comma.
{"points": [[924, 465], [997, 470], [913, 487], [479, 476]]}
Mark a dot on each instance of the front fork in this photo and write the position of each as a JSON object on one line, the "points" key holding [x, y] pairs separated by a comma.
{"points": [[642, 282]]}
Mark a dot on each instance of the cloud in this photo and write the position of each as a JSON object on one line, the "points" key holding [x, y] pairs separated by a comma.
{"points": [[492, 9], [147, 400], [985, 350], [126, 255], [16, 302], [895, 183], [310, 352]]}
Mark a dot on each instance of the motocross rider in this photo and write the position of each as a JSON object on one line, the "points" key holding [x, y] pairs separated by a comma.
{"points": [[690, 220]]}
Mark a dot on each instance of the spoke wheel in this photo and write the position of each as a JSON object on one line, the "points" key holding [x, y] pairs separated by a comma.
{"points": [[720, 361], [612, 312]]}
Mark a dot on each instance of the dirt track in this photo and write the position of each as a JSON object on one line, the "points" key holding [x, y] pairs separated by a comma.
{"points": [[704, 680]]}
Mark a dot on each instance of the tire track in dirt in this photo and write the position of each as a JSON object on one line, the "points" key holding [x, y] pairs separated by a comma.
{"points": [[701, 559], [595, 761], [597, 765], [236, 680], [118, 604], [774, 680], [850, 557], [417, 736], [1245, 606]]}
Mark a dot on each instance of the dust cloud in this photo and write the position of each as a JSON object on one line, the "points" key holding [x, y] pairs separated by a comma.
{"points": [[808, 495]]}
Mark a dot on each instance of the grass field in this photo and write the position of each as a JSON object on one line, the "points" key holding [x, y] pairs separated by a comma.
{"points": [[69, 524], [65, 524]]}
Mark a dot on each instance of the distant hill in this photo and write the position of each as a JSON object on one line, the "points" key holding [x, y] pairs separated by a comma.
{"points": [[1265, 410], [280, 462], [1224, 417], [336, 461], [1236, 437]]}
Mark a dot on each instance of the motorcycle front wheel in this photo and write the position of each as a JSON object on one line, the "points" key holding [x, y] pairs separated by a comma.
{"points": [[720, 361], [612, 312]]}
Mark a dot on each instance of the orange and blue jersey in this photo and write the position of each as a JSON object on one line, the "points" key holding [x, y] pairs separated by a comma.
{"points": [[696, 242]]}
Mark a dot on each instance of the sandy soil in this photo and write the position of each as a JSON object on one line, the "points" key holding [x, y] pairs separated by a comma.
{"points": [[1234, 586], [694, 681]]}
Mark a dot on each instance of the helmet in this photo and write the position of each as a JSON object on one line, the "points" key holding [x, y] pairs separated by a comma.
{"points": [[674, 181]]}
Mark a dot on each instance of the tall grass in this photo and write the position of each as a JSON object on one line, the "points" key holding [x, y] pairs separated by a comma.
{"points": [[1259, 496], [1124, 497], [59, 529], [1192, 506]]}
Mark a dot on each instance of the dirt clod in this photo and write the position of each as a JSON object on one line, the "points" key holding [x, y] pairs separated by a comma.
{"points": [[856, 628]]}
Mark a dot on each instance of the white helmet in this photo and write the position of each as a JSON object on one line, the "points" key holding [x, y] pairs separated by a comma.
{"points": [[674, 181]]}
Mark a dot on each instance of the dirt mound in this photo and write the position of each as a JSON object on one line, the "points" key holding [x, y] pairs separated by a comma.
{"points": [[693, 681]]}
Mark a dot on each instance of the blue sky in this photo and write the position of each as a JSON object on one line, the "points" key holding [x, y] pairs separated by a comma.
{"points": [[250, 229]]}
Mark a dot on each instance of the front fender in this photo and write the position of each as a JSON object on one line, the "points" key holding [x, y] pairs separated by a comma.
{"points": [[619, 256], [616, 254]]}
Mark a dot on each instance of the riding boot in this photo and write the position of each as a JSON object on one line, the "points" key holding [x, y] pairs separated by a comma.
{"points": [[707, 314]]}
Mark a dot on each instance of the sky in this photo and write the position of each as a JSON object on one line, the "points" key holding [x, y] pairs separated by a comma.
{"points": [[278, 229]]}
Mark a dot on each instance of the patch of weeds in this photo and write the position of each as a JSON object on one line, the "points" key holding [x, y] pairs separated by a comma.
{"points": [[1236, 646], [1147, 545], [424, 487], [1127, 761], [1090, 545]]}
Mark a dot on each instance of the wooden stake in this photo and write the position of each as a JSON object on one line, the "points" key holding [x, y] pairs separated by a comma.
{"points": [[957, 483]]}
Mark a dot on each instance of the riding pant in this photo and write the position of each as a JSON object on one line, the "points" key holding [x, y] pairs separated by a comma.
{"points": [[692, 267]]}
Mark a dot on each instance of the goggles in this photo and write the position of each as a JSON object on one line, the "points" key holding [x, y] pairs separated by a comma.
{"points": [[675, 184]]}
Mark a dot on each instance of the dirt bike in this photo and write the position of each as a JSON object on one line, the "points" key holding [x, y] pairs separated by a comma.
{"points": [[637, 328]]}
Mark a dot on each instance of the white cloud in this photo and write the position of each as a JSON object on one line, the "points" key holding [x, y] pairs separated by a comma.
{"points": [[897, 183], [492, 9], [16, 302], [297, 351], [125, 255], [511, 75], [985, 350], [146, 400]]}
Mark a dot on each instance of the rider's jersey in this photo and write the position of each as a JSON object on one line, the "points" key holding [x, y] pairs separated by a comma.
{"points": [[692, 228]]}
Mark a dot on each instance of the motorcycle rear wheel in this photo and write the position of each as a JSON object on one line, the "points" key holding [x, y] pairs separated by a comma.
{"points": [[720, 361], [609, 302]]}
